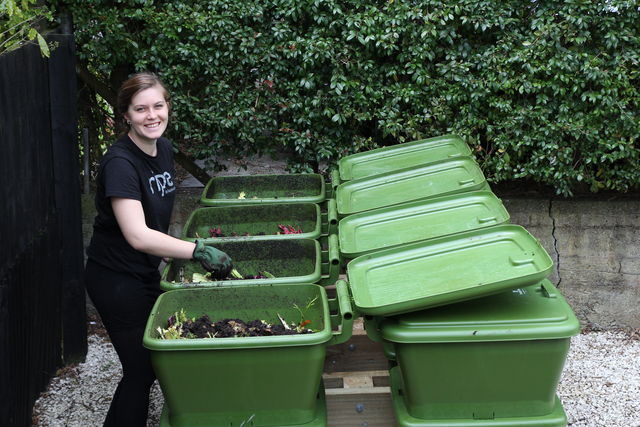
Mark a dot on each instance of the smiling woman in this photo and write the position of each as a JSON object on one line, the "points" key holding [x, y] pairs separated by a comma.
{"points": [[134, 199]]}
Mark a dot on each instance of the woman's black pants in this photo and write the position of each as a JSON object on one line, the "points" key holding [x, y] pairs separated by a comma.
{"points": [[124, 303]]}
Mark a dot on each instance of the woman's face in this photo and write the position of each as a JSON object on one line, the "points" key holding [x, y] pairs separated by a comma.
{"points": [[148, 114]]}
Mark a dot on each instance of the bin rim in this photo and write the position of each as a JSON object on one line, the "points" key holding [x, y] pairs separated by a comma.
{"points": [[545, 314], [152, 342], [316, 198], [304, 235], [166, 285]]}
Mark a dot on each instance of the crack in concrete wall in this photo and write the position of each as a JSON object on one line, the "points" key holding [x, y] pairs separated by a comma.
{"points": [[555, 242]]}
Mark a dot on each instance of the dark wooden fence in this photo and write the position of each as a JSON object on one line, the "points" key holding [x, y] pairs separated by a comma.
{"points": [[42, 299]]}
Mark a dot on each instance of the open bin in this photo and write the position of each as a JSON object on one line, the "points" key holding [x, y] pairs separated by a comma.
{"points": [[290, 261], [392, 226], [255, 222], [435, 179], [256, 189], [446, 269], [494, 361], [400, 156], [262, 381]]}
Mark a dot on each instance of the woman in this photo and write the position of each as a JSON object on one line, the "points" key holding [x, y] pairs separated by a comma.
{"points": [[134, 199]]}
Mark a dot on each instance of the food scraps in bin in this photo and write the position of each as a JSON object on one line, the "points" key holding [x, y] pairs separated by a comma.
{"points": [[289, 229], [283, 229], [179, 326], [233, 275]]}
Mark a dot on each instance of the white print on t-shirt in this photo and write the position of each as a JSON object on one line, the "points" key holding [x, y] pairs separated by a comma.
{"points": [[164, 183]]}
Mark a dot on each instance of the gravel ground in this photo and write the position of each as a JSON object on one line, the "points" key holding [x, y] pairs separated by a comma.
{"points": [[600, 385]]}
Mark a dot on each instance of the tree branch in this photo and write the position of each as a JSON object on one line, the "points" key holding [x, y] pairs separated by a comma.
{"points": [[98, 86]]}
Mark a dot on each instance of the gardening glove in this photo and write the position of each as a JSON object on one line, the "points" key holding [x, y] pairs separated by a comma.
{"points": [[213, 260]]}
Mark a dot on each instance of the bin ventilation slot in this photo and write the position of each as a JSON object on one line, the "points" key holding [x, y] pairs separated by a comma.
{"points": [[521, 261], [487, 219], [484, 415], [467, 181]]}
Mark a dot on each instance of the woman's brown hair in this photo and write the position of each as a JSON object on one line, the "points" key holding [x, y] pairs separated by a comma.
{"points": [[132, 86]]}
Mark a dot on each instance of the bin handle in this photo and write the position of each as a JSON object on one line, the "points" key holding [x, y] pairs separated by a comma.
{"points": [[547, 291], [345, 316], [487, 219], [467, 181], [334, 250], [335, 178], [517, 262], [332, 213], [372, 327]]}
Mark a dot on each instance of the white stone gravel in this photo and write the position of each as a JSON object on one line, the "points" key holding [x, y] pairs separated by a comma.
{"points": [[600, 385]]}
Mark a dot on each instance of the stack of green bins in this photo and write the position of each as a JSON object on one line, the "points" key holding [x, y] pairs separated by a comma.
{"points": [[478, 335], [265, 381], [251, 381], [458, 297]]}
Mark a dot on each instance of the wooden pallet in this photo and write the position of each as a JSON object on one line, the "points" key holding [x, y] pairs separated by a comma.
{"points": [[356, 381]]}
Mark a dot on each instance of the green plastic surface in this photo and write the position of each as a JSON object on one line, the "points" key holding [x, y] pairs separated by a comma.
{"points": [[531, 313], [259, 221], [207, 420], [480, 418], [290, 261], [257, 189], [227, 380], [387, 227], [435, 179], [409, 154], [446, 270]]}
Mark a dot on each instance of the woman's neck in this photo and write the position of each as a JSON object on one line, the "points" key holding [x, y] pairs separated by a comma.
{"points": [[147, 146]]}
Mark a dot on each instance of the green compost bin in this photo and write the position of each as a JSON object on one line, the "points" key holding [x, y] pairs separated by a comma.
{"points": [[493, 361], [392, 226], [256, 189], [289, 261], [446, 269], [400, 156], [254, 222], [261, 381], [435, 179]]}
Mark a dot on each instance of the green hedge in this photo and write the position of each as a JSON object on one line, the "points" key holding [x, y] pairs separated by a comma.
{"points": [[543, 91]]}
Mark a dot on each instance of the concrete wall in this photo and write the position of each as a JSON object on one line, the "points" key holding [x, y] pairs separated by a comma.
{"points": [[595, 245]]}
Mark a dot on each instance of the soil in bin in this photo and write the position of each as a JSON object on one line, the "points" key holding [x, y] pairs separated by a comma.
{"points": [[282, 229], [203, 327]]}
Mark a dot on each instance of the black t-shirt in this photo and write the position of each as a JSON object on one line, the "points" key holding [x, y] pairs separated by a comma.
{"points": [[128, 172]]}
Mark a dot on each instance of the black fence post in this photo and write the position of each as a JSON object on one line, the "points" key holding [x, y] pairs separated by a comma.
{"points": [[66, 157]]}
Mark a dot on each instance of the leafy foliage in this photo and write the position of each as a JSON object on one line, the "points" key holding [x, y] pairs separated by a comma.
{"points": [[545, 91], [19, 23]]}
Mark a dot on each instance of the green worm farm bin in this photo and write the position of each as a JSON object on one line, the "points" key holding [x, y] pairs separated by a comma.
{"points": [[269, 380], [255, 189], [493, 361], [435, 179], [260, 222], [400, 156], [388, 227], [446, 269], [290, 261]]}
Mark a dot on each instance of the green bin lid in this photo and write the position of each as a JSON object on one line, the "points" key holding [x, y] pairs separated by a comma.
{"points": [[451, 176], [391, 226], [400, 156], [533, 312], [447, 269]]}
